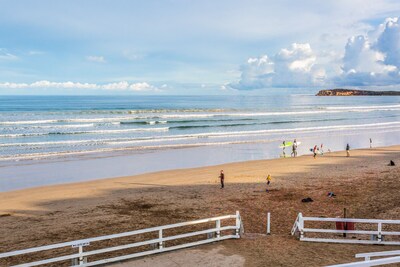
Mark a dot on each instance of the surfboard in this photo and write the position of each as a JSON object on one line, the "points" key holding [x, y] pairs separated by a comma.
{"points": [[288, 144]]}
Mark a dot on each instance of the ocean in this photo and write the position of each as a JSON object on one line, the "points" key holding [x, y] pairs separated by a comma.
{"points": [[112, 136]]}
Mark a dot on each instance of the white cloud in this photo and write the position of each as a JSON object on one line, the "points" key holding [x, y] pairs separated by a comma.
{"points": [[142, 87], [115, 86], [119, 86], [290, 67], [48, 84], [372, 59], [35, 53], [389, 42], [361, 57], [5, 55], [369, 60], [98, 59]]}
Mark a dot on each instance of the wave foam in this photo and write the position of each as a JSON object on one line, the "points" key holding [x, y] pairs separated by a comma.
{"points": [[163, 129]]}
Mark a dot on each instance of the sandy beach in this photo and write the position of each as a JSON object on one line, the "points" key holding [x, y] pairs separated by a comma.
{"points": [[363, 183]]}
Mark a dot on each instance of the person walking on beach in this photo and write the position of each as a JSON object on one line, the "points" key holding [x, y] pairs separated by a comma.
{"points": [[269, 178], [315, 151], [283, 149], [293, 154], [321, 149], [370, 143], [222, 178], [348, 150], [294, 148]]}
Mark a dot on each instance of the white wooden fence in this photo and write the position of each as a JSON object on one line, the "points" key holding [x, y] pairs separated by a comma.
{"points": [[378, 235], [81, 258], [390, 258]]}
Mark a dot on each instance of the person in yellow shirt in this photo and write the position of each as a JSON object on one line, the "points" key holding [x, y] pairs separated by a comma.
{"points": [[269, 178]]}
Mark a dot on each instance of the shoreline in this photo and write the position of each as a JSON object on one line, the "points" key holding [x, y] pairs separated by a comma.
{"points": [[31, 174], [160, 178]]}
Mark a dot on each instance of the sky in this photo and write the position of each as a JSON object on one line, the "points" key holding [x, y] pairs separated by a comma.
{"points": [[197, 47]]}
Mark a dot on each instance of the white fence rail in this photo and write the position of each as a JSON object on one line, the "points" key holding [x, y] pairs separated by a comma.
{"points": [[81, 258], [369, 255], [378, 235], [391, 257]]}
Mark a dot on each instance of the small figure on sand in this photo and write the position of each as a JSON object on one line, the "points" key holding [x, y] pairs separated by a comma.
{"points": [[315, 151], [294, 148], [321, 149], [370, 143], [222, 178], [348, 150], [283, 149], [269, 178]]}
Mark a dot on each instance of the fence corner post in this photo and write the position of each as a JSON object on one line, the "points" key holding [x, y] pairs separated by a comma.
{"points": [[379, 232], [160, 242], [238, 223], [218, 226], [268, 223], [301, 225], [80, 255]]}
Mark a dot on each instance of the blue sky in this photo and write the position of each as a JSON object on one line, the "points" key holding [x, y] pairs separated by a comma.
{"points": [[196, 47]]}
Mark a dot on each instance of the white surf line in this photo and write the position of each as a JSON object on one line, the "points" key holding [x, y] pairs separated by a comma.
{"points": [[13, 127], [212, 135], [34, 156], [160, 129], [322, 110], [362, 107]]}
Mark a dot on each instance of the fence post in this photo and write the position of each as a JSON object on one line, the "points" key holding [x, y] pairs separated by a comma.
{"points": [[379, 232], [218, 226], [268, 223], [160, 236], [238, 223], [344, 223], [80, 255], [301, 225]]}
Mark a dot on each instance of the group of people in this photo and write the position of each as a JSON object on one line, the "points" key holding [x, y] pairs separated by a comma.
{"points": [[294, 148], [321, 150], [293, 154], [316, 149]]}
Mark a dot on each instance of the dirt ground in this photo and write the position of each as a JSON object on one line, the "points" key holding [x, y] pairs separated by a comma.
{"points": [[364, 184]]}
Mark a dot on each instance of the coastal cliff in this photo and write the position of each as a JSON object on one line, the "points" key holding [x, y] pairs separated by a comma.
{"points": [[352, 92]]}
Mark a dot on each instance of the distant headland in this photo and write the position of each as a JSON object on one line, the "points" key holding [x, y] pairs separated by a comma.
{"points": [[352, 92]]}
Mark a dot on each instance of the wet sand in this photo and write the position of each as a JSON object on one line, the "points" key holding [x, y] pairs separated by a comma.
{"points": [[363, 183]]}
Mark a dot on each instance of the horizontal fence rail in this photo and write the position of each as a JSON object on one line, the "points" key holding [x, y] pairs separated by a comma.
{"points": [[390, 258], [81, 258], [376, 236], [377, 262], [368, 256]]}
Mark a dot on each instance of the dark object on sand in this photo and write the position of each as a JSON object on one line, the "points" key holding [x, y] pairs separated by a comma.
{"points": [[331, 194], [308, 199], [392, 163]]}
